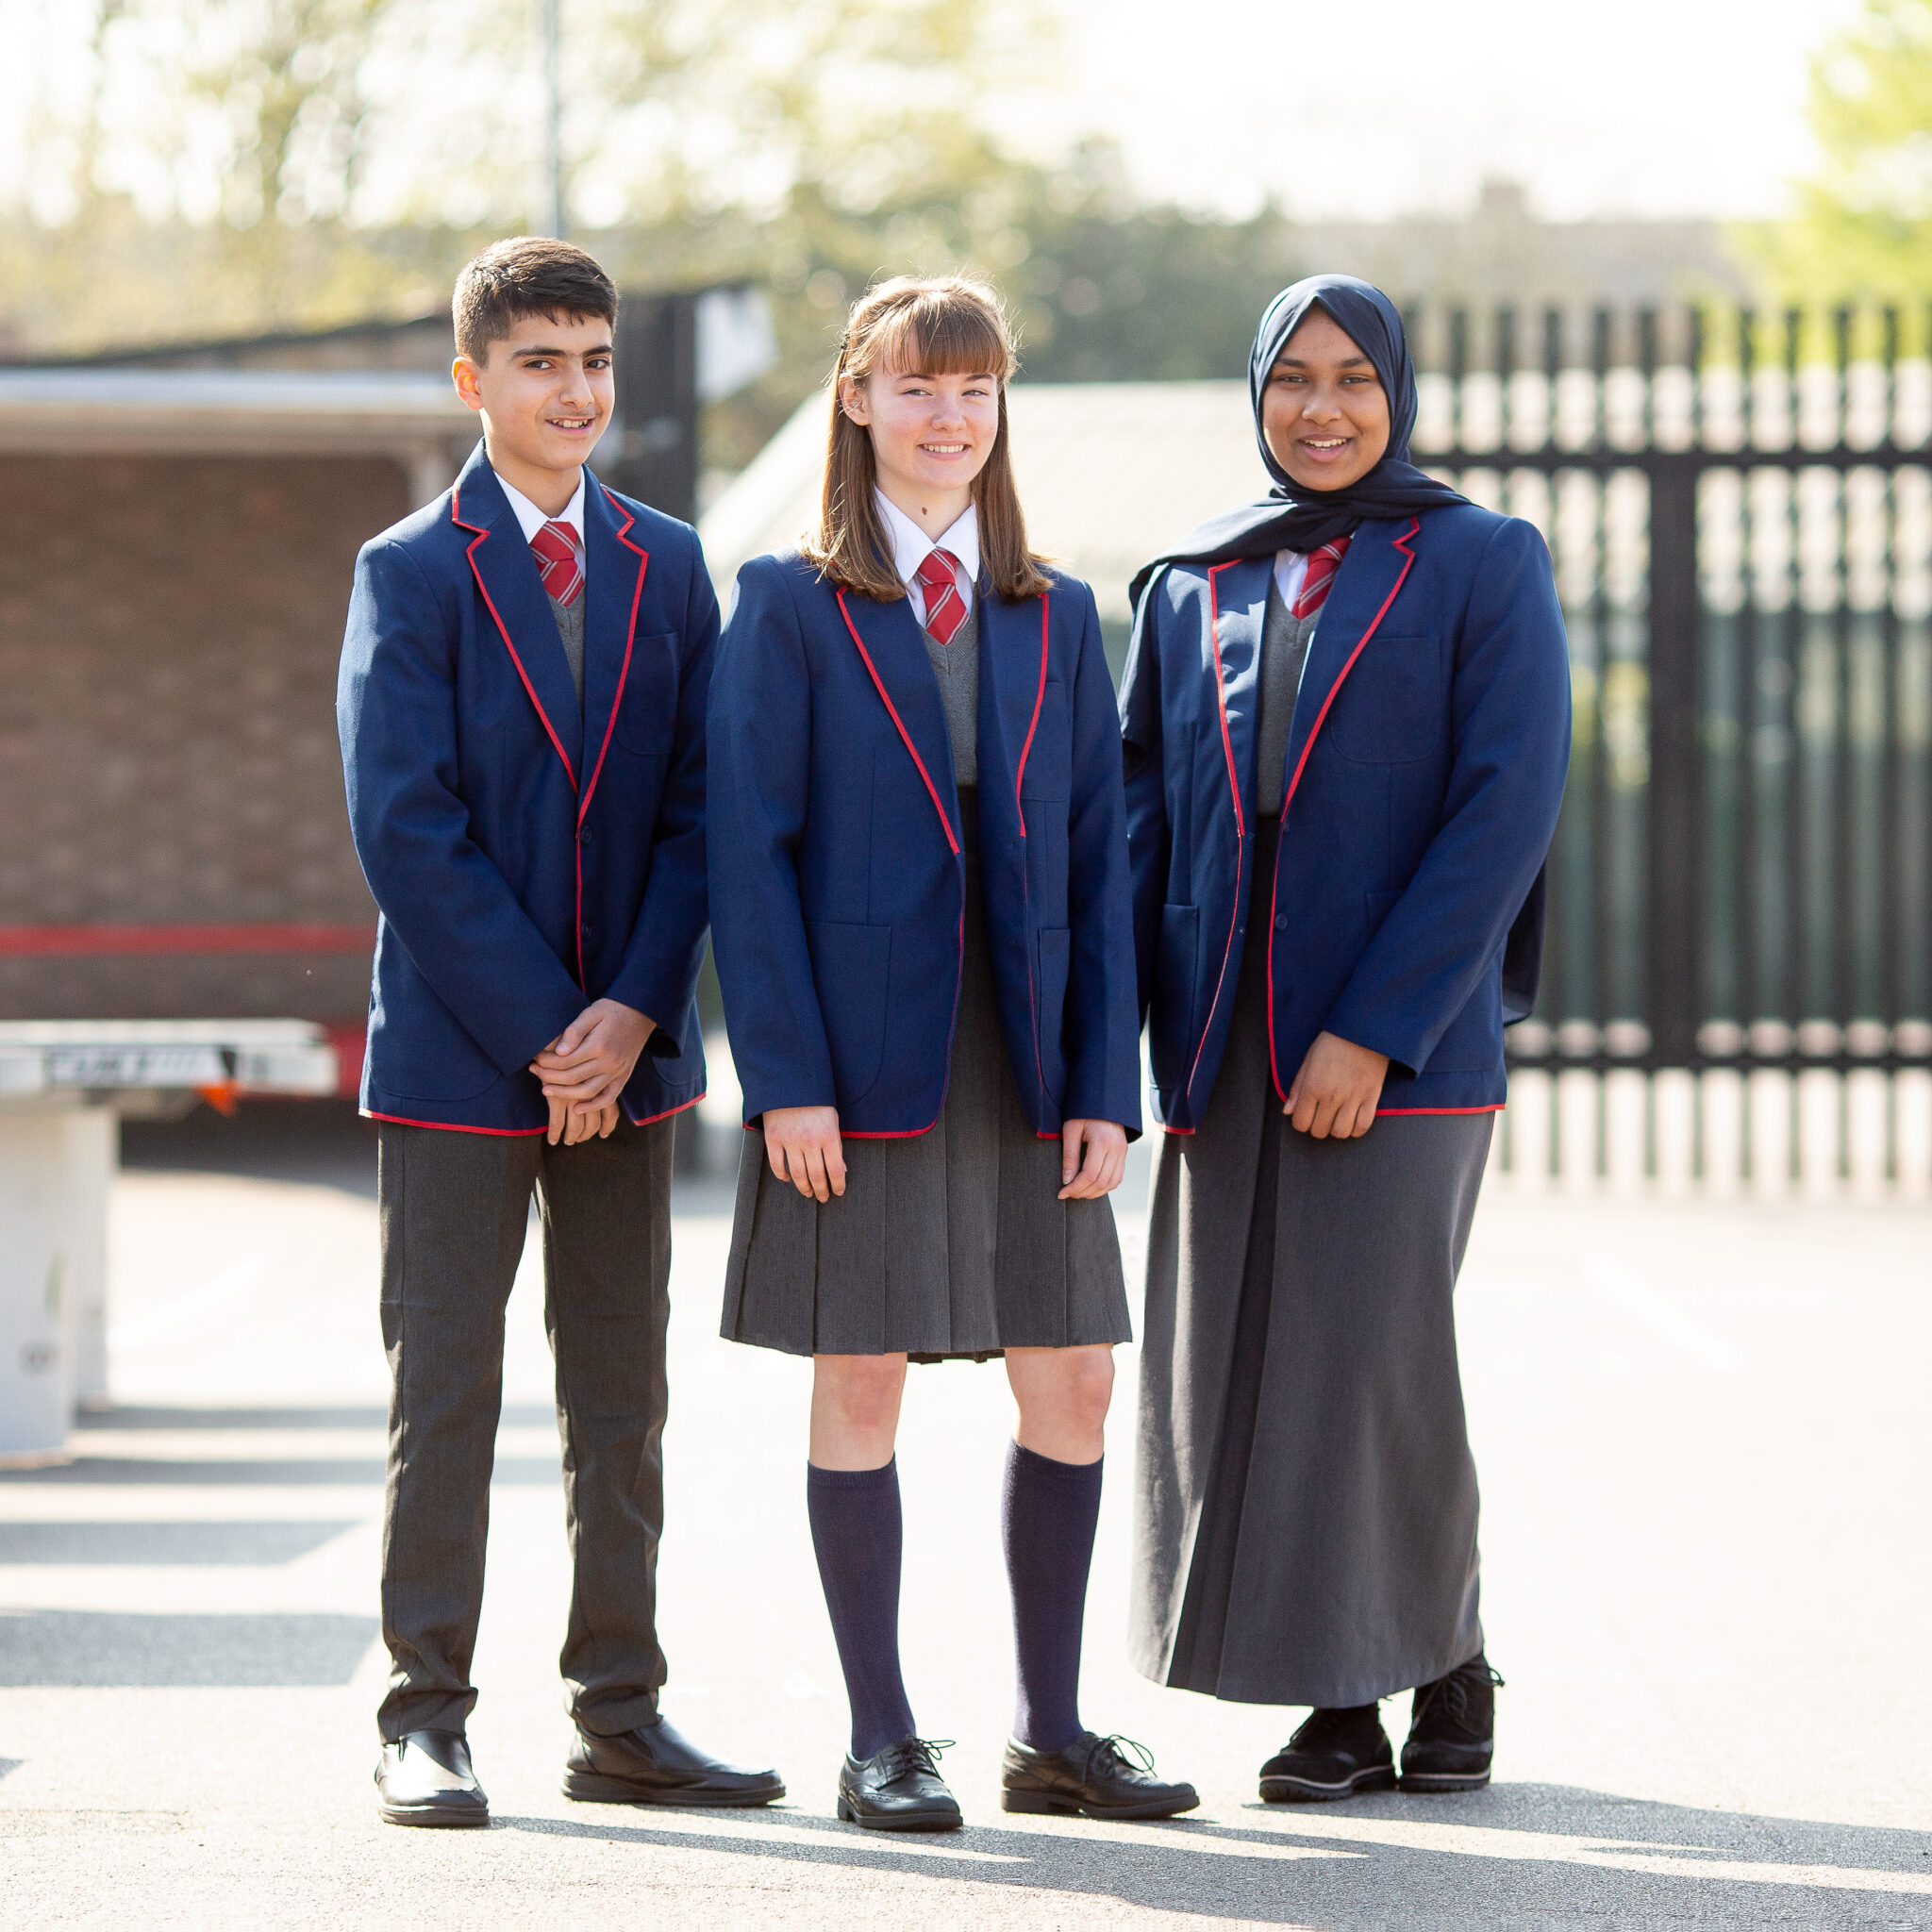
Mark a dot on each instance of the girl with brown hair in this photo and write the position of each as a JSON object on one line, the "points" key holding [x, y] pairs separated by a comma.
{"points": [[921, 912]]}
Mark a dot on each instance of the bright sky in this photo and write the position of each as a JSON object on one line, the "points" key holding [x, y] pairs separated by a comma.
{"points": [[1642, 107]]}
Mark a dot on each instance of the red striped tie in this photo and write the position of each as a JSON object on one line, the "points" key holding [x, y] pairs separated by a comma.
{"points": [[945, 609], [1323, 564], [556, 547]]}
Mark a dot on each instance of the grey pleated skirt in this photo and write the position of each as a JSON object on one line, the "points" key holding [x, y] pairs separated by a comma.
{"points": [[1306, 1510], [948, 1243]]}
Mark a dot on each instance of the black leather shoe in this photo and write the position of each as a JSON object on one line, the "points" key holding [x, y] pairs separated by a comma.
{"points": [[899, 1789], [1336, 1754], [1452, 1730], [1092, 1777], [425, 1778], [655, 1765]]}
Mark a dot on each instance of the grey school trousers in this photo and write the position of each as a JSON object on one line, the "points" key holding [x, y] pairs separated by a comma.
{"points": [[452, 1210]]}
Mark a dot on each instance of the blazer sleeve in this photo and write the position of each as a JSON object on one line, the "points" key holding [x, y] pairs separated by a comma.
{"points": [[1150, 839], [1102, 1036], [758, 787], [453, 911], [1510, 718], [659, 971]]}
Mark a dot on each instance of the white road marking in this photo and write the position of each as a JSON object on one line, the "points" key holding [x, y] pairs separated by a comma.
{"points": [[1636, 1296], [237, 1278]]}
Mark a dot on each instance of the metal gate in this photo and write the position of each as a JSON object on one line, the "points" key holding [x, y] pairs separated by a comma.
{"points": [[1739, 510]]}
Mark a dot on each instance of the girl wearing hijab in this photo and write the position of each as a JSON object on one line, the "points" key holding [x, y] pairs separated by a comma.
{"points": [[1346, 715], [922, 925]]}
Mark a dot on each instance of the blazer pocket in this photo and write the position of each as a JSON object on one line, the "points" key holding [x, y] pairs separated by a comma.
{"points": [[1175, 968], [647, 713], [1393, 709], [850, 968]]}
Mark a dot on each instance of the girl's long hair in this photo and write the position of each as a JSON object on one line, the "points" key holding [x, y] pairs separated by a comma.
{"points": [[932, 326]]}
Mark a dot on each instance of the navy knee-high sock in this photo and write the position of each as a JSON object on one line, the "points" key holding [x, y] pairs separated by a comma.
{"points": [[1047, 1522], [857, 1532]]}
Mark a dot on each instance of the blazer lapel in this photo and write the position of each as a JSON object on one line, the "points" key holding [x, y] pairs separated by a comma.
{"points": [[1364, 588], [520, 613], [887, 639], [614, 581], [1240, 611], [1012, 683]]}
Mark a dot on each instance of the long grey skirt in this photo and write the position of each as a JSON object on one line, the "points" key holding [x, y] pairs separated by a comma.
{"points": [[1307, 1501], [946, 1243]]}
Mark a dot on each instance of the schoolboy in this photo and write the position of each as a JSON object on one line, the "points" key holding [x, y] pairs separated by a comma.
{"points": [[522, 709]]}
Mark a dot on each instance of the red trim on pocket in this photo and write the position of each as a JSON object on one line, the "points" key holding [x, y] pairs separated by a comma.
{"points": [[1402, 543], [502, 630]]}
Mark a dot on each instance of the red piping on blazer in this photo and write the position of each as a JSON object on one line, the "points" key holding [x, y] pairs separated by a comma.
{"points": [[1025, 880], [511, 1133], [585, 792], [1240, 830], [481, 533], [1392, 1112], [953, 844], [1402, 543]]}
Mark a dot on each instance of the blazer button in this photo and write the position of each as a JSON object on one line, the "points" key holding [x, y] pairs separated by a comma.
{"points": [[584, 836], [1281, 921]]}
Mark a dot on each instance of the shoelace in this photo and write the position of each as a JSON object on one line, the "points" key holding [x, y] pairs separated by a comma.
{"points": [[1320, 1727], [1117, 1747], [914, 1753], [1453, 1692]]}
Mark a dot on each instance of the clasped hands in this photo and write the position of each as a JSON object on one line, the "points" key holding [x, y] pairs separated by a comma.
{"points": [[803, 1146], [584, 1068]]}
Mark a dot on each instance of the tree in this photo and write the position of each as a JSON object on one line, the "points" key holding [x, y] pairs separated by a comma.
{"points": [[1863, 224]]}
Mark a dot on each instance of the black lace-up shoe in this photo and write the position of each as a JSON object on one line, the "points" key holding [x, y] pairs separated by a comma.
{"points": [[1093, 1776], [426, 1777], [1336, 1754], [1452, 1730], [657, 1764], [899, 1789]]}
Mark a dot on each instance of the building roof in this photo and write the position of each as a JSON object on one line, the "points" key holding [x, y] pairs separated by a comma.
{"points": [[1187, 447]]}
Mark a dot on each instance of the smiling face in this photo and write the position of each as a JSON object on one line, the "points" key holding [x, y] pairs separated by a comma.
{"points": [[931, 436], [1324, 413], [545, 393]]}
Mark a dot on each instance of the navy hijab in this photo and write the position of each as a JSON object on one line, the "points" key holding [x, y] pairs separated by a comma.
{"points": [[1291, 517]]}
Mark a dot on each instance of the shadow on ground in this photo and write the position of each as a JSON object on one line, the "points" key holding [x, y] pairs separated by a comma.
{"points": [[1515, 1852], [126, 1650]]}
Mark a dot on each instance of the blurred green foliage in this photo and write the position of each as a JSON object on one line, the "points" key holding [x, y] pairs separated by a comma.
{"points": [[811, 146], [1863, 228]]}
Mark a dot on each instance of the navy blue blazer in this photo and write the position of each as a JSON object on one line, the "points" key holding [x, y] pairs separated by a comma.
{"points": [[837, 889], [1424, 771], [527, 858]]}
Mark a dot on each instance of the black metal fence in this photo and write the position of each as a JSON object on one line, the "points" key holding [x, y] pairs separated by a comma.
{"points": [[1739, 508]]}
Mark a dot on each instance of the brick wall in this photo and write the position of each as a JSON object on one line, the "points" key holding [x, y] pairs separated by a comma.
{"points": [[169, 632]]}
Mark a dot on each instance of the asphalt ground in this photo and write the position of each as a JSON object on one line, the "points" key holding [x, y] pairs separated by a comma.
{"points": [[1701, 1432]]}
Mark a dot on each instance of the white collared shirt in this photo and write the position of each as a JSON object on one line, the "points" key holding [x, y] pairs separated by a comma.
{"points": [[911, 546], [1291, 574], [530, 518]]}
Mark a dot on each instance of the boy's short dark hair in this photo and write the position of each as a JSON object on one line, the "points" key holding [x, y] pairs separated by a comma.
{"points": [[529, 274]]}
